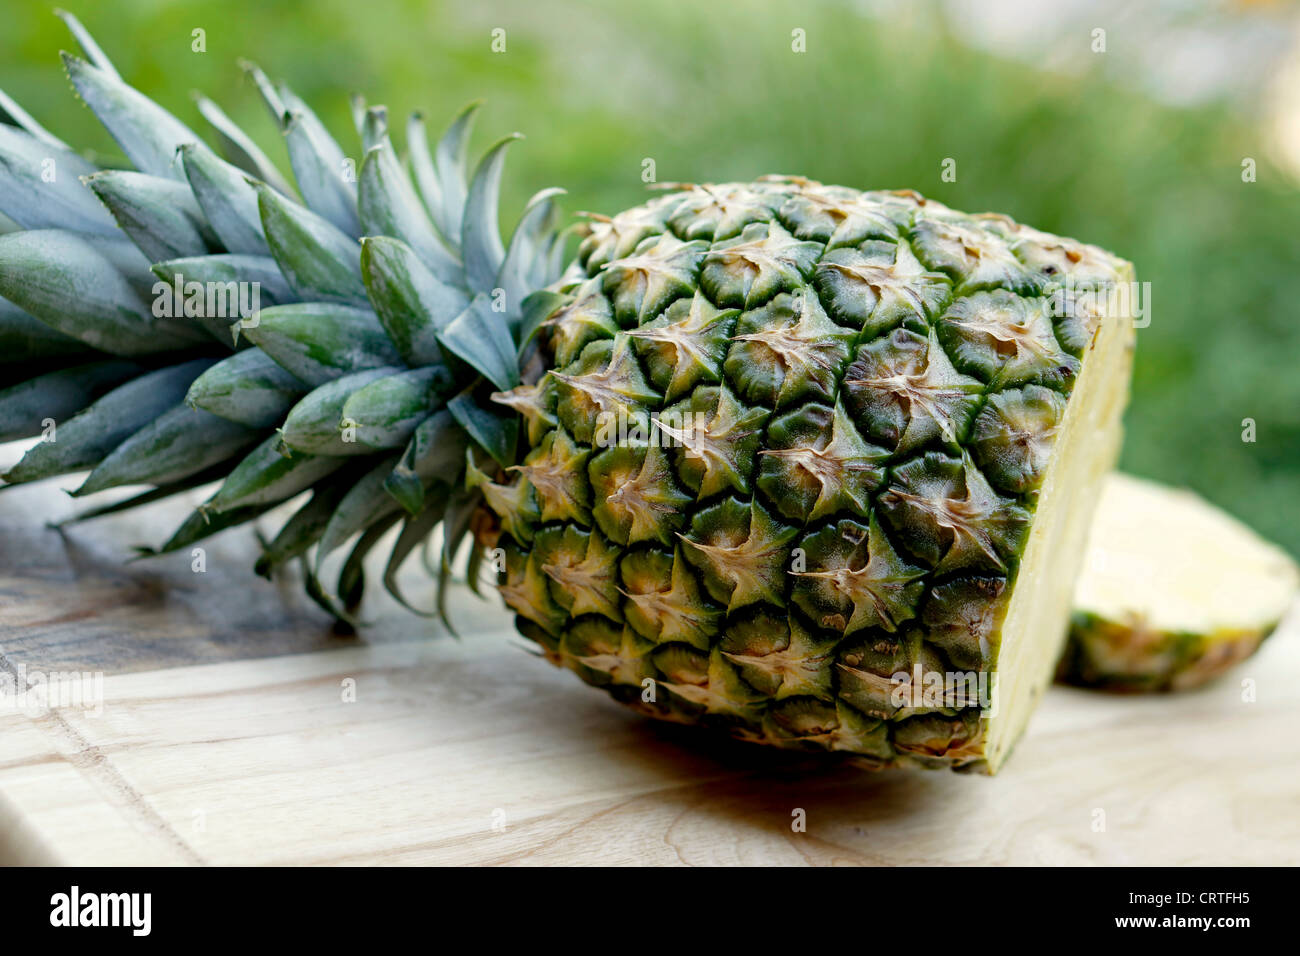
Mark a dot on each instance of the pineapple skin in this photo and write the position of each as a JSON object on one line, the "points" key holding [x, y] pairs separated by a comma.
{"points": [[879, 383], [1130, 657]]}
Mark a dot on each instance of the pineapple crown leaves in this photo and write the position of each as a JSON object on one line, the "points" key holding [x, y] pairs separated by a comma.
{"points": [[197, 317]]}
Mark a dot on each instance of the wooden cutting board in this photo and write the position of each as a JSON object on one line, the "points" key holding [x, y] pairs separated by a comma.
{"points": [[226, 736]]}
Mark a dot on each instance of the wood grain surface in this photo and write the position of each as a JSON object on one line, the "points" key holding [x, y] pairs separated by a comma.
{"points": [[225, 736]]}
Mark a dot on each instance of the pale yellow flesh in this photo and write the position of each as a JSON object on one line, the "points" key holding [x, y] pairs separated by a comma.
{"points": [[1167, 560], [1037, 618]]}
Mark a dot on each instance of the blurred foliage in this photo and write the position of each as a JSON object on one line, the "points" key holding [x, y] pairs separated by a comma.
{"points": [[714, 92]]}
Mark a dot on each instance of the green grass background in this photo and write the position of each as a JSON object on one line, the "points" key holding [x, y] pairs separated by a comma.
{"points": [[713, 92]]}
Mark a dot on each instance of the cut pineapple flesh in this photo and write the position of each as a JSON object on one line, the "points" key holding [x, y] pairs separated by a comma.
{"points": [[1173, 592], [1036, 622]]}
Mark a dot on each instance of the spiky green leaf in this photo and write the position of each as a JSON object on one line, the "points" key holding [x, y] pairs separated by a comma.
{"points": [[389, 207], [239, 149], [69, 282], [147, 133], [318, 260], [249, 388], [175, 445], [495, 433], [313, 424], [319, 342], [270, 96], [412, 303], [40, 186], [537, 308], [385, 413], [365, 503], [160, 216], [529, 239], [461, 507], [374, 127], [426, 175], [352, 576], [322, 172], [26, 406], [219, 291], [268, 474], [479, 336], [25, 339], [87, 43], [436, 452], [416, 529], [14, 115], [228, 201], [480, 234], [204, 524], [160, 493], [452, 158], [86, 438], [304, 528]]}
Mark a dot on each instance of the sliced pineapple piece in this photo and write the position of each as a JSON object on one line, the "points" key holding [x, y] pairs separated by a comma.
{"points": [[1174, 592]]}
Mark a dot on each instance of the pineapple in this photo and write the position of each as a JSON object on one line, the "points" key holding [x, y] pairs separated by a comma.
{"points": [[809, 465], [1173, 593]]}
